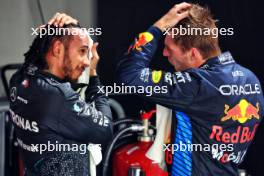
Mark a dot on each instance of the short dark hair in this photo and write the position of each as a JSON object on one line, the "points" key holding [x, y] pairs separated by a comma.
{"points": [[36, 55]]}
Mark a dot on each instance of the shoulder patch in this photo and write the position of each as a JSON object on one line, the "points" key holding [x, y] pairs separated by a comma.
{"points": [[142, 40]]}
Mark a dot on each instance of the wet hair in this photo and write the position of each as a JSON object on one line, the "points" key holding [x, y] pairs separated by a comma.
{"points": [[199, 18], [36, 55]]}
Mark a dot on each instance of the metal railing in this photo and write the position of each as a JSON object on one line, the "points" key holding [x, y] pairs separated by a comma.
{"points": [[4, 70]]}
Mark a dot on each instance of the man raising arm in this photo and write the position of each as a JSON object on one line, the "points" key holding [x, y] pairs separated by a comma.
{"points": [[53, 125], [216, 102]]}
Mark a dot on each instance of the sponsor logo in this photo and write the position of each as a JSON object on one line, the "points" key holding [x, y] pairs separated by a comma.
{"points": [[156, 76], [237, 73], [205, 67], [247, 89], [25, 83], [188, 77], [241, 112], [224, 157], [226, 58], [31, 70], [84, 110], [241, 135], [22, 100], [13, 94], [168, 79], [144, 76], [142, 40], [77, 107], [30, 148], [24, 123], [177, 77], [180, 78]]}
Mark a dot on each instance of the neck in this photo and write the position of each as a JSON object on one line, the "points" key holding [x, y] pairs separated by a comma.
{"points": [[215, 54], [53, 67], [56, 72], [200, 63]]}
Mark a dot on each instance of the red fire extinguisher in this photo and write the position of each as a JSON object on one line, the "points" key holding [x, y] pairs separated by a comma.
{"points": [[131, 160]]}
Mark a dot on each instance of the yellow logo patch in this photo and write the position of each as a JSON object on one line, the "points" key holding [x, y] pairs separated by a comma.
{"points": [[156, 76]]}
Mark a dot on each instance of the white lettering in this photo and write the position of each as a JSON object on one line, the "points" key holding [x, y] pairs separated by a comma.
{"points": [[246, 89]]}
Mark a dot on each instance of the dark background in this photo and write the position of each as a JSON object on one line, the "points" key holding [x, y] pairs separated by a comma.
{"points": [[122, 20]]}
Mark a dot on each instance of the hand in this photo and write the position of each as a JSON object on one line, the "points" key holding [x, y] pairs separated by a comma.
{"points": [[171, 18], [60, 19], [94, 60]]}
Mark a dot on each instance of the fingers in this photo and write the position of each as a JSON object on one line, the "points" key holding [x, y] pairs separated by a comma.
{"points": [[95, 58], [183, 15], [182, 6], [90, 41], [63, 19], [67, 20], [94, 51], [70, 20], [180, 11], [51, 21], [60, 19]]}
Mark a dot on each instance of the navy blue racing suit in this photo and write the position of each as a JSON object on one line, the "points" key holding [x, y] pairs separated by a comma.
{"points": [[217, 107], [54, 126]]}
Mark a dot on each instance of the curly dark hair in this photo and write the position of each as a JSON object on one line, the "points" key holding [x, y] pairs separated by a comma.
{"points": [[36, 55]]}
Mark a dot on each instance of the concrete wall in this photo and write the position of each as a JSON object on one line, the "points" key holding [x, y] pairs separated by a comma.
{"points": [[17, 17]]}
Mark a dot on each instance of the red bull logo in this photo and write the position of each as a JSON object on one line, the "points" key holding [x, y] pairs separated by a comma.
{"points": [[241, 112], [142, 40], [241, 135]]}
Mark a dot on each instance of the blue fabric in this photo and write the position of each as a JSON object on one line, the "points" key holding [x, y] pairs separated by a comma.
{"points": [[182, 157]]}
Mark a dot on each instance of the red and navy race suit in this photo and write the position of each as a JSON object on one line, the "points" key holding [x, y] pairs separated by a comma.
{"points": [[46, 110], [220, 102]]}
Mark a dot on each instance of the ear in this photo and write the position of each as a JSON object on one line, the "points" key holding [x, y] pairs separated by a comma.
{"points": [[195, 55], [58, 49]]}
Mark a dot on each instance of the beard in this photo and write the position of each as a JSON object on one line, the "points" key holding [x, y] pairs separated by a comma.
{"points": [[71, 74], [67, 68]]}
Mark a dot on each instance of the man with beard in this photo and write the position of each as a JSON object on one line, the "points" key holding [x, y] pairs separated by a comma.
{"points": [[53, 124]]}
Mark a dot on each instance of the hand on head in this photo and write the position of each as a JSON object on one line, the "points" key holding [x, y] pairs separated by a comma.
{"points": [[60, 19], [173, 16]]}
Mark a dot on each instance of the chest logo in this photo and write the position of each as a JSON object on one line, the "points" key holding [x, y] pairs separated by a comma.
{"points": [[241, 112]]}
